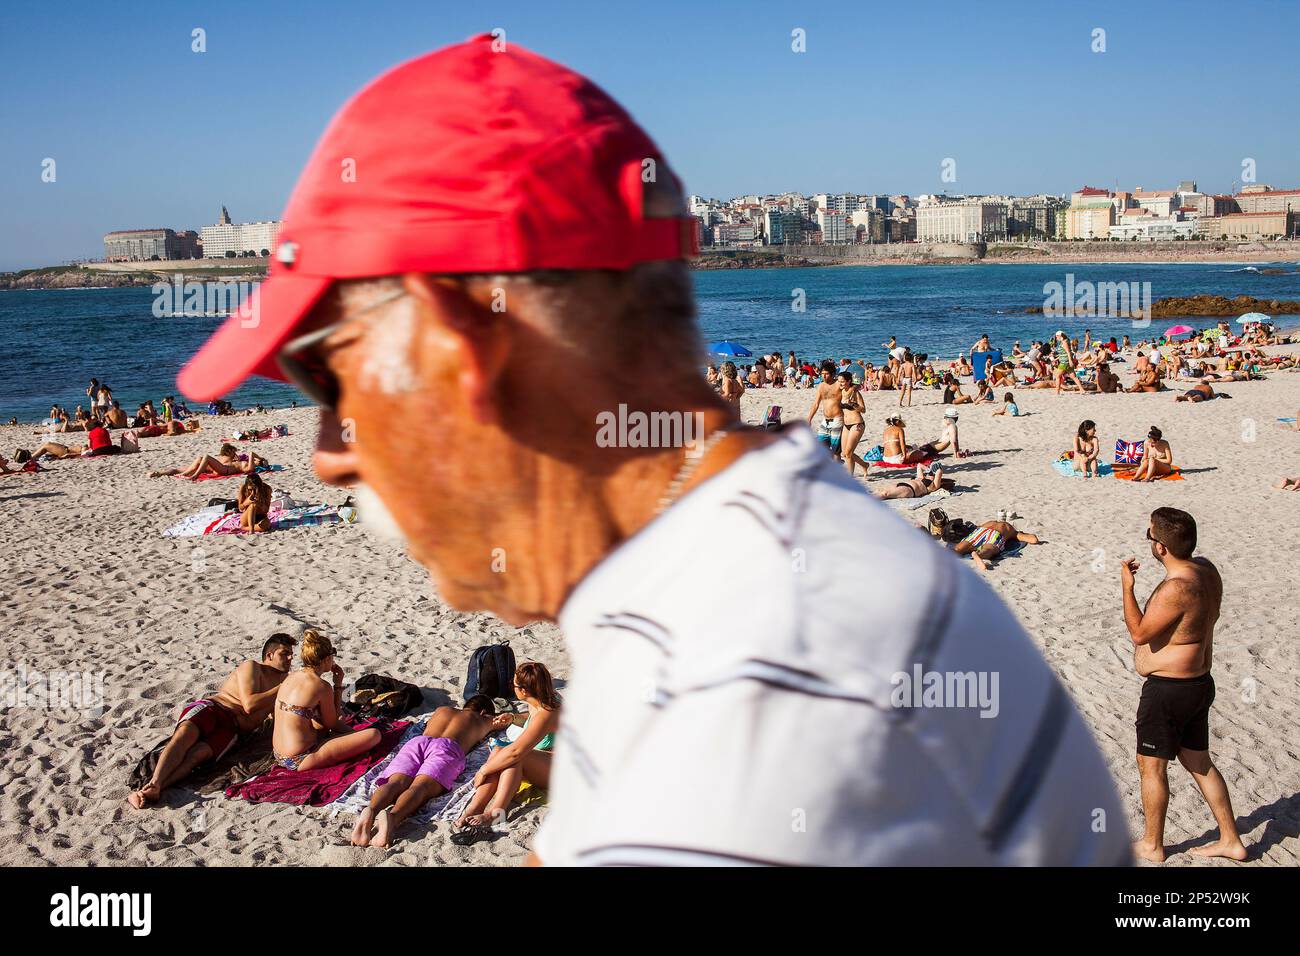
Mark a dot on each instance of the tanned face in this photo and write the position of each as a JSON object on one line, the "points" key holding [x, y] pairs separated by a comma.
{"points": [[426, 425], [280, 657]]}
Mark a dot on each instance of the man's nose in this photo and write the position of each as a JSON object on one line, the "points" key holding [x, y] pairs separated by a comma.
{"points": [[335, 459]]}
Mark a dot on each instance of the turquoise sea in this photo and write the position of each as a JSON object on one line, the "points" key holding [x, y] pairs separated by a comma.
{"points": [[53, 341]]}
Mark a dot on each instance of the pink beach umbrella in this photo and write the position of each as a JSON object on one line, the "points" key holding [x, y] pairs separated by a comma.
{"points": [[1177, 330]]}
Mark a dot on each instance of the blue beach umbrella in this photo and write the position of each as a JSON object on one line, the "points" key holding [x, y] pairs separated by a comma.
{"points": [[1253, 317], [734, 349]]}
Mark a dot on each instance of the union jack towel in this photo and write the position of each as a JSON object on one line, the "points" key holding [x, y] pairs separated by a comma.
{"points": [[1128, 452]]}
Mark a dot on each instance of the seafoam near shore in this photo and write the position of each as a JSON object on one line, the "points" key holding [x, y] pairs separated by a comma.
{"points": [[90, 585]]}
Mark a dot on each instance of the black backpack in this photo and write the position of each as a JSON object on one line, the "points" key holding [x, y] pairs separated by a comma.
{"points": [[491, 672]]}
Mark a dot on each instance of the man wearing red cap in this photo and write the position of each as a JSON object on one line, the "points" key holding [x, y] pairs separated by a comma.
{"points": [[508, 227]]}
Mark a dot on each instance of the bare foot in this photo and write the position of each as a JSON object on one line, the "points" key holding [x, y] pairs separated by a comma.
{"points": [[144, 796], [361, 832], [1231, 849], [1149, 852], [383, 829], [477, 820]]}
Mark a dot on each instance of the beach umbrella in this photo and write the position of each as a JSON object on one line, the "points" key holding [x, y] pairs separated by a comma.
{"points": [[1254, 317], [730, 348], [1177, 330]]}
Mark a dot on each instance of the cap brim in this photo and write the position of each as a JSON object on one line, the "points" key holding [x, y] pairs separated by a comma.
{"points": [[247, 342]]}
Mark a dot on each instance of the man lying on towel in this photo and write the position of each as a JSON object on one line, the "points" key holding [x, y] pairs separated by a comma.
{"points": [[425, 767], [209, 728], [987, 542]]}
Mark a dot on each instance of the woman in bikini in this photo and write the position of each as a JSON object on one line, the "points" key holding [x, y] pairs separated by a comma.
{"points": [[253, 502], [1065, 364], [852, 405], [893, 444], [732, 388], [224, 464], [526, 758], [308, 733], [1087, 446], [1157, 457], [952, 393], [918, 487]]}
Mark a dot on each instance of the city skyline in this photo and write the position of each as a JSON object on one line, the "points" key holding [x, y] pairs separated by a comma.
{"points": [[145, 132]]}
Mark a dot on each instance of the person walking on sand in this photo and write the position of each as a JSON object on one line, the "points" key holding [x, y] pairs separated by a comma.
{"points": [[1173, 648], [677, 747]]}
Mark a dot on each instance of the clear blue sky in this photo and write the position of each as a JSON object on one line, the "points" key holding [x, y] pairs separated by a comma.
{"points": [[147, 133]]}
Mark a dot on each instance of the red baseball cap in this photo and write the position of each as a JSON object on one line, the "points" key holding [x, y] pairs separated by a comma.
{"points": [[480, 157]]}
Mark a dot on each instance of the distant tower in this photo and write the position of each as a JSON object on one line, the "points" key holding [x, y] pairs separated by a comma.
{"points": [[225, 217]]}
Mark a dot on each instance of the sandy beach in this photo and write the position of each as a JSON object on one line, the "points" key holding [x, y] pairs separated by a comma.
{"points": [[91, 585]]}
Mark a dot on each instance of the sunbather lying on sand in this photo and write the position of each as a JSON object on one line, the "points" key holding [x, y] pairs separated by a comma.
{"points": [[917, 487], [54, 450], [210, 727], [309, 733], [987, 542], [1201, 392], [225, 463], [426, 767], [1288, 484]]}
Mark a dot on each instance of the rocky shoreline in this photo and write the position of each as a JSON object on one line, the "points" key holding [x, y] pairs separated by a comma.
{"points": [[1216, 306]]}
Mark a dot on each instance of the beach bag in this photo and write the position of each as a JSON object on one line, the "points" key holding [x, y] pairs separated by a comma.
{"points": [[379, 695], [491, 672], [1128, 452], [937, 521]]}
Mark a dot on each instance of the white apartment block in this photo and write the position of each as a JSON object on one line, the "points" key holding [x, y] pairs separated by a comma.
{"points": [[238, 237], [969, 220]]}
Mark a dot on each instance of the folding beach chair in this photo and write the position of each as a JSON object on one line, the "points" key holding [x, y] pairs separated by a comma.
{"points": [[772, 417]]}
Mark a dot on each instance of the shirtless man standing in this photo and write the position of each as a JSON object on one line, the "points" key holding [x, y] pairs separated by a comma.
{"points": [[828, 400], [426, 766], [210, 727], [1173, 641]]}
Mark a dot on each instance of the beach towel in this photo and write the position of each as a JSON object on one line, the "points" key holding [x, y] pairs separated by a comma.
{"points": [[1065, 467], [217, 520], [911, 504], [1128, 452], [251, 755], [890, 464], [319, 787], [1127, 474], [260, 470]]}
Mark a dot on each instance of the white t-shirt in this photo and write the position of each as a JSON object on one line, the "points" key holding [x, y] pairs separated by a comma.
{"points": [[898, 353], [732, 688]]}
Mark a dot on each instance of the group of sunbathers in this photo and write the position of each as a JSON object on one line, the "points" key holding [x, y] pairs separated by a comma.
{"points": [[310, 732]]}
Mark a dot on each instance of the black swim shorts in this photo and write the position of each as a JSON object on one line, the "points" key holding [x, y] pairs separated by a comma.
{"points": [[1173, 714]]}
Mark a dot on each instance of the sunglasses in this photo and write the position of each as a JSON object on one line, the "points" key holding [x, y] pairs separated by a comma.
{"points": [[1151, 537], [308, 371]]}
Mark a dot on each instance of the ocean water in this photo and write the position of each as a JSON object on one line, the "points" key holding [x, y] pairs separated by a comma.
{"points": [[52, 342]]}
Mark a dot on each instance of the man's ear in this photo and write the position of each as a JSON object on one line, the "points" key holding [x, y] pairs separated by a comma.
{"points": [[480, 336]]}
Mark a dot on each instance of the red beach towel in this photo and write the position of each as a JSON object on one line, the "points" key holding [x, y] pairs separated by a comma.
{"points": [[317, 787]]}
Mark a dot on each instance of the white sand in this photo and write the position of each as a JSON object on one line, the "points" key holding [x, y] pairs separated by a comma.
{"points": [[89, 584]]}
